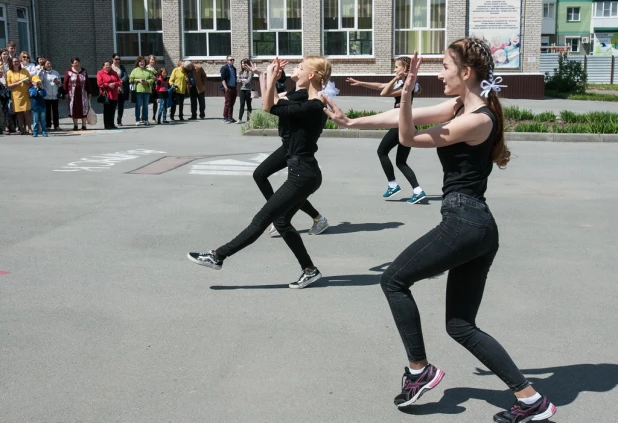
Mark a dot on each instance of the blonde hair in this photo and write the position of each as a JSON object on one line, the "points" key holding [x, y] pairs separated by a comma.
{"points": [[321, 67]]}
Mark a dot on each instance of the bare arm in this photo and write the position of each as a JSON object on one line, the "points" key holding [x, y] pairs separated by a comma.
{"points": [[376, 86], [387, 91]]}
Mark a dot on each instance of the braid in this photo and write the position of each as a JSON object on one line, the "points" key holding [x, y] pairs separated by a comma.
{"points": [[484, 50]]}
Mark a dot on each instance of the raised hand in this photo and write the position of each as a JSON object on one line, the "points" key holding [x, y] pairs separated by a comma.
{"points": [[408, 86], [274, 69], [335, 113], [352, 81]]}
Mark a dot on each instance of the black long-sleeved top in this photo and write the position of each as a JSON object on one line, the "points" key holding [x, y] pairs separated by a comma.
{"points": [[284, 126], [306, 120]]}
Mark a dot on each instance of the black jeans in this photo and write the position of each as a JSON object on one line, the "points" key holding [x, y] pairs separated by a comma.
{"points": [[273, 164], [51, 113], [390, 141], [179, 100], [464, 243], [245, 98], [195, 98], [121, 100], [109, 110], [304, 178]]}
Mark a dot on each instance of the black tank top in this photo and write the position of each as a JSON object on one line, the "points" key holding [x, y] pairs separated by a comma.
{"points": [[467, 167]]}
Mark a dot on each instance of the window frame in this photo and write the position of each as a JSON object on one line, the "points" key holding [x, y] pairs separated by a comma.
{"points": [[418, 29], [25, 20], [553, 10], [579, 43], [132, 31], [5, 20], [348, 30], [579, 17], [613, 6], [204, 31], [276, 31]]}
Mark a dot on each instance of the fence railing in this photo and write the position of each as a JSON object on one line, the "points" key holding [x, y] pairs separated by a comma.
{"points": [[600, 69]]}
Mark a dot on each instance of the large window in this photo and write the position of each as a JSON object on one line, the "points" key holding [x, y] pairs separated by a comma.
{"points": [[207, 28], [138, 26], [3, 28], [348, 27], [574, 43], [23, 28], [549, 10], [420, 25], [606, 9], [572, 14], [276, 28]]}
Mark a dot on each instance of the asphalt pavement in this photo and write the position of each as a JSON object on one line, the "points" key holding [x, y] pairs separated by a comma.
{"points": [[103, 318]]}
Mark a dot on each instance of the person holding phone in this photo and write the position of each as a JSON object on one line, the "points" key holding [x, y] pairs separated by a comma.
{"points": [[143, 80], [51, 83], [18, 81]]}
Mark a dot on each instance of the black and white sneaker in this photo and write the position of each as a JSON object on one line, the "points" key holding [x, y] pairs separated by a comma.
{"points": [[207, 259], [306, 279]]}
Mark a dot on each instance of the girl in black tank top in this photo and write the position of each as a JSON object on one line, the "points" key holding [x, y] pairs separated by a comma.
{"points": [[469, 138]]}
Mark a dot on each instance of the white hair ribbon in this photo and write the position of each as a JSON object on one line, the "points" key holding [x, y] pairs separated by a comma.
{"points": [[329, 90], [492, 84]]}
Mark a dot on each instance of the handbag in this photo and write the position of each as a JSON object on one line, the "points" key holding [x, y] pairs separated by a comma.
{"points": [[103, 98], [255, 94], [61, 94], [91, 117]]}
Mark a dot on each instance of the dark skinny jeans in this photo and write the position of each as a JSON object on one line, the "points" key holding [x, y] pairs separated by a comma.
{"points": [[304, 178], [180, 102], [274, 163], [51, 114], [390, 141], [464, 244], [245, 99]]}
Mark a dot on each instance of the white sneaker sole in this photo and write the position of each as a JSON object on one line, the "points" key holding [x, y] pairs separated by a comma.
{"points": [[392, 195], [432, 384], [318, 233], [551, 410], [417, 201], [201, 263], [306, 283]]}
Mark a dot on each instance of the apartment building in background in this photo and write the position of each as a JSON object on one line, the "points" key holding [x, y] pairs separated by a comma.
{"points": [[360, 37]]}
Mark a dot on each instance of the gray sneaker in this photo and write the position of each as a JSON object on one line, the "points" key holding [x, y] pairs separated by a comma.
{"points": [[306, 279], [272, 231], [318, 227]]}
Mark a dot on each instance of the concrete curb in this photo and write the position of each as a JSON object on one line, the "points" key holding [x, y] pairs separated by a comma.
{"points": [[509, 136]]}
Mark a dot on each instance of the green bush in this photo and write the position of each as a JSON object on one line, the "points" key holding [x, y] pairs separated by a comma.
{"points": [[545, 117], [568, 116], [531, 127], [261, 120], [353, 114], [514, 112], [569, 77]]}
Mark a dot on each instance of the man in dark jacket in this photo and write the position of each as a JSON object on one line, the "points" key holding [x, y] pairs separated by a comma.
{"points": [[228, 85]]}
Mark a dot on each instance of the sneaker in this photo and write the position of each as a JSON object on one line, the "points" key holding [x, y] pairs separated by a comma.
{"points": [[165, 121], [239, 121], [45, 134], [207, 259], [138, 123], [146, 123], [522, 413], [417, 197], [226, 121], [391, 191], [272, 231], [232, 120], [306, 279], [192, 118], [413, 387], [318, 227]]}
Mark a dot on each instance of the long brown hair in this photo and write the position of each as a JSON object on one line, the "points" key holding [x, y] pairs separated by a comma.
{"points": [[475, 54]]}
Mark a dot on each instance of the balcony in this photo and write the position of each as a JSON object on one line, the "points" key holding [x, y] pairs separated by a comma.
{"points": [[548, 26], [604, 24]]}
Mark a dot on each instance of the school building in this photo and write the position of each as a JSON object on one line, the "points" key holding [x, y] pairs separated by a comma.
{"points": [[361, 38]]}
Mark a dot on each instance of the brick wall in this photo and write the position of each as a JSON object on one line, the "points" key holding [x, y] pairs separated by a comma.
{"points": [[10, 7]]}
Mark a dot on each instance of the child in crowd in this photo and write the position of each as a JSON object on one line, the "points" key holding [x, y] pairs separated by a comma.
{"points": [[37, 105], [162, 87]]}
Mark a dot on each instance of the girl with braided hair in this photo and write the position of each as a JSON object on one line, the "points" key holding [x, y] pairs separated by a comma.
{"points": [[469, 138], [391, 139]]}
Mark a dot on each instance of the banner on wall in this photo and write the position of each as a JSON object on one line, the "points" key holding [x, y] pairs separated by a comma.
{"points": [[605, 44], [498, 23]]}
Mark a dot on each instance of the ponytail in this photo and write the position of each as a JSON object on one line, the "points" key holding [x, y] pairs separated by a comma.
{"points": [[500, 154]]}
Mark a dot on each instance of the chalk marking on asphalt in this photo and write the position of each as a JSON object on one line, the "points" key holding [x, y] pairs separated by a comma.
{"points": [[104, 161]]}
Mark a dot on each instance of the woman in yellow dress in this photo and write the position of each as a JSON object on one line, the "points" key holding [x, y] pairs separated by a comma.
{"points": [[18, 80]]}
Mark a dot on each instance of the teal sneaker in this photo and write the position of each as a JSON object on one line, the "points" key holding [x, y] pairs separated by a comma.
{"points": [[391, 191], [417, 197]]}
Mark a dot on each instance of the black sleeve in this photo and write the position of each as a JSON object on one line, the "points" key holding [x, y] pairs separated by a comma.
{"points": [[300, 95], [225, 73], [286, 108]]}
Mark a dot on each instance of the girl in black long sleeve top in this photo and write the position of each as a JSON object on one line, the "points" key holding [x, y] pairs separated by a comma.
{"points": [[305, 121]]}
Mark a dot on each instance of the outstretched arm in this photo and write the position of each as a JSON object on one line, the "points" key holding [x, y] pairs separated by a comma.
{"points": [[376, 86]]}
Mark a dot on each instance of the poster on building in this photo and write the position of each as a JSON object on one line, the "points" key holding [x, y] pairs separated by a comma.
{"points": [[605, 44], [498, 23]]}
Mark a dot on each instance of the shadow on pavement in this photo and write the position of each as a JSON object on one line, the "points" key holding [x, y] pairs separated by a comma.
{"points": [[562, 387], [325, 282]]}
